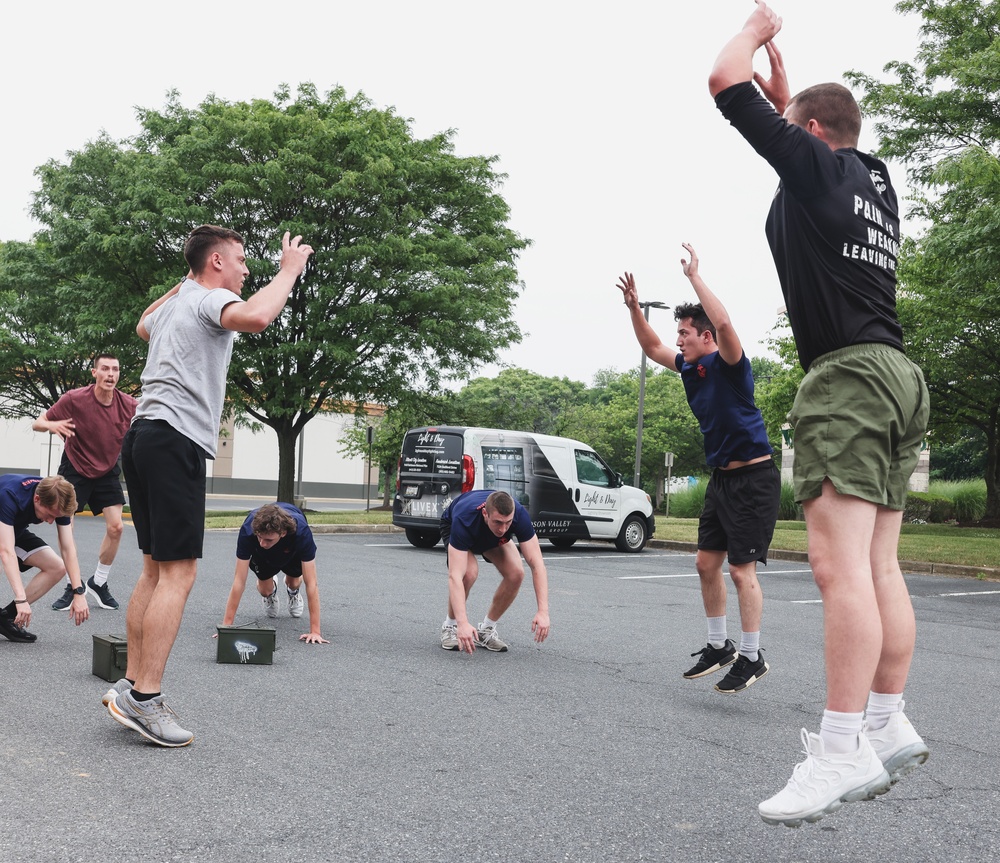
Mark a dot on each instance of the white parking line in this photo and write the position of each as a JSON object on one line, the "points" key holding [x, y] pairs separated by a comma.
{"points": [[640, 577], [695, 574], [916, 596]]}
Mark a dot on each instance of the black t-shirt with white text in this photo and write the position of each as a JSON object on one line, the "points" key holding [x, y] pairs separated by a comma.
{"points": [[833, 229]]}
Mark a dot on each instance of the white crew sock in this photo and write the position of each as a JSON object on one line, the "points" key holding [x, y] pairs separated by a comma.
{"points": [[101, 574], [880, 707], [750, 645], [840, 731], [717, 631]]}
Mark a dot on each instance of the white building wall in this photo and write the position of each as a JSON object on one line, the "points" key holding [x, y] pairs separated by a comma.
{"points": [[327, 472]]}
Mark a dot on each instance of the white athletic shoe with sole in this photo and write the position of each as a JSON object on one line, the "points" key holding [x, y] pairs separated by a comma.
{"points": [[823, 783], [898, 746]]}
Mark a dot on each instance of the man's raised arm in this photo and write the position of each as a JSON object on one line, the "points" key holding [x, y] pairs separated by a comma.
{"points": [[734, 65]]}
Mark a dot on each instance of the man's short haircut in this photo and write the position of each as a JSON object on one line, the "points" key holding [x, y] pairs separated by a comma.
{"points": [[271, 518], [698, 317], [57, 493], [104, 356], [202, 241], [500, 502], [834, 107]]}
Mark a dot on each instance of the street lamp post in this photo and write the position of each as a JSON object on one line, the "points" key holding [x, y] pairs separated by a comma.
{"points": [[642, 392]]}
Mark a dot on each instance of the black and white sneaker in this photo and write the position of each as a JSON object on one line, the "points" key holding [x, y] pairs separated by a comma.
{"points": [[64, 601], [101, 593], [711, 659], [744, 673]]}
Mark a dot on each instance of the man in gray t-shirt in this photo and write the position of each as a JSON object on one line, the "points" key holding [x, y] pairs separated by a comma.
{"points": [[190, 331]]}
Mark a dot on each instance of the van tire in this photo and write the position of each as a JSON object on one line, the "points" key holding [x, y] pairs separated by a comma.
{"points": [[422, 538], [633, 535], [562, 541]]}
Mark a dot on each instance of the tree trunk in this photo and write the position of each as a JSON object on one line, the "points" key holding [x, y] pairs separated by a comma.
{"points": [[287, 437], [992, 514], [389, 472]]}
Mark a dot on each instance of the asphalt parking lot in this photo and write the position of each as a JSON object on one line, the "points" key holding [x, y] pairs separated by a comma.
{"points": [[382, 747]]}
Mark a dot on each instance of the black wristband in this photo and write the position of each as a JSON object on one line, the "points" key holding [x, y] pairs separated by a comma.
{"points": [[21, 601]]}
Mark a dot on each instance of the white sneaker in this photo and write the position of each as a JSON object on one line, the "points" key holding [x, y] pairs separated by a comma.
{"points": [[823, 783], [898, 746], [295, 603], [489, 639], [271, 603], [449, 637]]}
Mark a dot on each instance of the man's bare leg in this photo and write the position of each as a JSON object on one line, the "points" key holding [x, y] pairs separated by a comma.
{"points": [[162, 620]]}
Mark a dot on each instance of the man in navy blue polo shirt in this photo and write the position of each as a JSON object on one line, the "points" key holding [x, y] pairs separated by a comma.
{"points": [[741, 502], [484, 522], [276, 538], [26, 500]]}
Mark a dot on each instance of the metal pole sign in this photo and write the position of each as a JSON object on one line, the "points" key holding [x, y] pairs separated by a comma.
{"points": [[368, 476], [668, 461]]}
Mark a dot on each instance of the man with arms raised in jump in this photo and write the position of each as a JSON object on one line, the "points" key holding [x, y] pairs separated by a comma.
{"points": [[741, 502], [859, 416]]}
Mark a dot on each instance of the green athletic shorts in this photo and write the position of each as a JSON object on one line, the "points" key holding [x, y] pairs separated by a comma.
{"points": [[859, 417]]}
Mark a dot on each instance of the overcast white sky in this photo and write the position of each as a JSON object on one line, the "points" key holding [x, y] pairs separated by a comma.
{"points": [[600, 115]]}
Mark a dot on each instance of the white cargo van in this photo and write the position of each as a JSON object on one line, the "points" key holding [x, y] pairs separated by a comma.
{"points": [[567, 487]]}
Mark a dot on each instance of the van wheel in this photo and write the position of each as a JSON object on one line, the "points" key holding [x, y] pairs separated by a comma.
{"points": [[632, 536], [562, 541], [422, 538]]}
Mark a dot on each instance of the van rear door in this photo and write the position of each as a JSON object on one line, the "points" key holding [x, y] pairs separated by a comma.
{"points": [[430, 477]]}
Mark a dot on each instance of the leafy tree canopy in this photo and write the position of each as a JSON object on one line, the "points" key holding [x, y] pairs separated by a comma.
{"points": [[414, 276]]}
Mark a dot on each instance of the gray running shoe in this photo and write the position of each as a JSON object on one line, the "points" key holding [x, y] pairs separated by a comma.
{"points": [[271, 603], [295, 603], [489, 639], [117, 688], [152, 719], [449, 637]]}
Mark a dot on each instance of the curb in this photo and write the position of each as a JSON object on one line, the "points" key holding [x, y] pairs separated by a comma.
{"points": [[948, 569], [355, 528]]}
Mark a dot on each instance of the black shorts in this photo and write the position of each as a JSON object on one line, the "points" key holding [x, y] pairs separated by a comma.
{"points": [[741, 507], [165, 474], [25, 544], [100, 492], [264, 572]]}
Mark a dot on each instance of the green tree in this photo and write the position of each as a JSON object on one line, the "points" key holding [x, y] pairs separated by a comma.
{"points": [[44, 350], [939, 116], [414, 409], [776, 383], [518, 399], [414, 276], [963, 459]]}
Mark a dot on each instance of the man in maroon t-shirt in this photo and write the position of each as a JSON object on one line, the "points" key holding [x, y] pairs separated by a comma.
{"points": [[92, 421]]}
